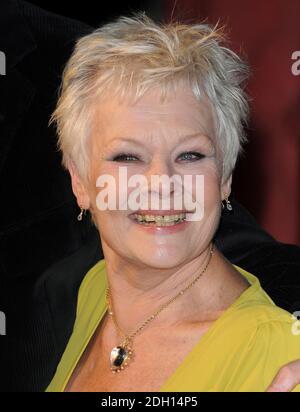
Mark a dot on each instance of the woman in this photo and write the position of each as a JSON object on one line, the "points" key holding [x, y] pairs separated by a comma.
{"points": [[164, 311]]}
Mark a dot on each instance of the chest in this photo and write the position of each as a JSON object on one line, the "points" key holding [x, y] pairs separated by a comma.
{"points": [[153, 361]]}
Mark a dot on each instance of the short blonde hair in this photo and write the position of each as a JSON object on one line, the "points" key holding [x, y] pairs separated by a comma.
{"points": [[130, 55]]}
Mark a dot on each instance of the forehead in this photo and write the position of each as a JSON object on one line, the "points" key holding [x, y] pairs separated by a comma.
{"points": [[180, 111]]}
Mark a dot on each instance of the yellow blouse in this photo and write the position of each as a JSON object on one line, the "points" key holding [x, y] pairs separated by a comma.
{"points": [[241, 351]]}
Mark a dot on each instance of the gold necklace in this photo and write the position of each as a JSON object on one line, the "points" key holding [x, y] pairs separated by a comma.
{"points": [[123, 353]]}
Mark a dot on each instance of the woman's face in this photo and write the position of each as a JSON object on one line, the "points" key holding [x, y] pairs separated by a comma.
{"points": [[153, 138]]}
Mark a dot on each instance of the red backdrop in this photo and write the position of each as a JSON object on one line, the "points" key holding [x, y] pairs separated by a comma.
{"points": [[266, 180]]}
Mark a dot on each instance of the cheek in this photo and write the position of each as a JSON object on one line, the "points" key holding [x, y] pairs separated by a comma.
{"points": [[211, 184], [211, 200], [109, 221], [212, 205], [211, 191], [103, 180]]}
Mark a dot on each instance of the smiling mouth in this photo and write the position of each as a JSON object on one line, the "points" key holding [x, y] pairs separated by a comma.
{"points": [[159, 220]]}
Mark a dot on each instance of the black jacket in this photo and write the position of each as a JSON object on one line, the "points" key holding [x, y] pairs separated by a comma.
{"points": [[37, 209], [44, 251]]}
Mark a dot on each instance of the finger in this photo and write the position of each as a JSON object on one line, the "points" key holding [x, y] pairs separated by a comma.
{"points": [[287, 378]]}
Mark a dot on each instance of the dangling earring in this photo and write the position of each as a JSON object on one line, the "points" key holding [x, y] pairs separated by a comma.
{"points": [[228, 204], [79, 217]]}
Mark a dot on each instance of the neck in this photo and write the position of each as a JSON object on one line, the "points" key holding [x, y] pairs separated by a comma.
{"points": [[137, 292]]}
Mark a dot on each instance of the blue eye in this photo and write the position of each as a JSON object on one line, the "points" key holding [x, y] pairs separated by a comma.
{"points": [[193, 156], [124, 157]]}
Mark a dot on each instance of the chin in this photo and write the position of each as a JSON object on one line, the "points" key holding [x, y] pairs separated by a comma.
{"points": [[162, 258]]}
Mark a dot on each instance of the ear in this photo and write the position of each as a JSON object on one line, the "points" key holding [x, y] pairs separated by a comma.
{"points": [[226, 187], [78, 187]]}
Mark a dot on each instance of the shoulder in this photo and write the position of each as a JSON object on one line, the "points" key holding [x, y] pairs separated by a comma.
{"points": [[265, 336], [274, 342], [256, 339], [57, 287], [256, 309], [263, 319], [257, 322], [92, 277], [267, 319], [67, 274], [276, 331], [90, 309], [91, 294]]}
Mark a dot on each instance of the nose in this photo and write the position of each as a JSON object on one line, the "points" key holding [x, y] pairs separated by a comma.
{"points": [[159, 183], [159, 165]]}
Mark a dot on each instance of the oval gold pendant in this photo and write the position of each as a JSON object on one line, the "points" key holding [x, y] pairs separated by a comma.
{"points": [[119, 358]]}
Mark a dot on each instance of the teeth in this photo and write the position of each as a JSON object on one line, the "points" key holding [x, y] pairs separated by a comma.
{"points": [[160, 218]]}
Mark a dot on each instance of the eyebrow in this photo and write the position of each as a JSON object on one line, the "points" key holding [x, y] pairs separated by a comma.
{"points": [[181, 138]]}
